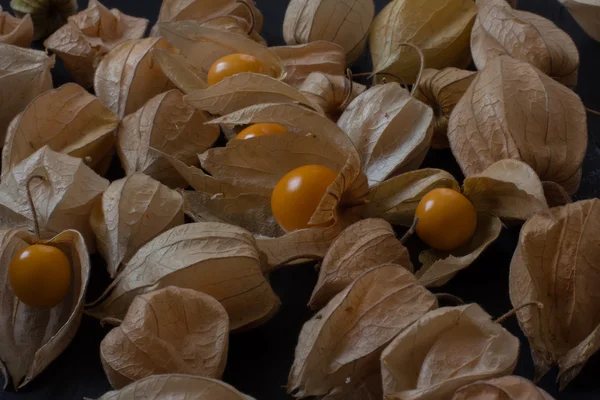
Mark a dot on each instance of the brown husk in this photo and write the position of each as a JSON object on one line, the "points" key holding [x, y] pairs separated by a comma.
{"points": [[332, 93], [555, 194], [506, 388], [587, 15], [15, 31], [179, 71], [47, 15]]}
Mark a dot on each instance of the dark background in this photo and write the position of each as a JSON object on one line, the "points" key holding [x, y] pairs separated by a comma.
{"points": [[259, 360]]}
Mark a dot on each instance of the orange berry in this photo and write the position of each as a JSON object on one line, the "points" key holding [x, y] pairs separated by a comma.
{"points": [[260, 130], [447, 219], [234, 64], [40, 275], [298, 194]]}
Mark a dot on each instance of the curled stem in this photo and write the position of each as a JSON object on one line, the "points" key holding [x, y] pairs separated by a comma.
{"points": [[515, 310], [411, 231], [36, 224], [252, 16], [421, 68], [592, 111]]}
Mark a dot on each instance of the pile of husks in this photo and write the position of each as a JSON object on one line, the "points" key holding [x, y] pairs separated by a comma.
{"points": [[160, 103]]}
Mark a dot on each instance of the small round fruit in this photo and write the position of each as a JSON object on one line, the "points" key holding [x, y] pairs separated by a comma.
{"points": [[234, 64], [40, 275], [447, 219], [260, 130], [298, 194]]}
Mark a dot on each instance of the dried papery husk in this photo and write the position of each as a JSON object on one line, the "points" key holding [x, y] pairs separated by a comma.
{"points": [[168, 331], [301, 60], [587, 15], [47, 15], [332, 93], [441, 90], [32, 338], [181, 73], [556, 263], [133, 211], [24, 74], [446, 349], [501, 30], [63, 197], [544, 124], [345, 23], [83, 41], [218, 259], [234, 24], [391, 130], [440, 28], [127, 76], [168, 387], [15, 31], [360, 247], [68, 120], [506, 388], [165, 124], [341, 345], [555, 194]]}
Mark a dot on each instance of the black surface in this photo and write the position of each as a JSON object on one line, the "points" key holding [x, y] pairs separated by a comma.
{"points": [[259, 360]]}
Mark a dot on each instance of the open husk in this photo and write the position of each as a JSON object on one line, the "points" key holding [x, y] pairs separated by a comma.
{"points": [[218, 259], [86, 38], [24, 75], [133, 210], [506, 388], [341, 345], [332, 93], [32, 338], [15, 31], [168, 331], [556, 264], [587, 15], [444, 350]]}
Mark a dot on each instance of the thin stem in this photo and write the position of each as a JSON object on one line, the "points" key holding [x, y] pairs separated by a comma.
{"points": [[592, 111], [348, 91], [411, 231], [110, 321], [36, 224], [450, 298], [252, 16], [514, 311], [422, 67]]}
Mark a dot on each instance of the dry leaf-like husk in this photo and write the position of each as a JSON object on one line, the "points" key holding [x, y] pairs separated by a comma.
{"points": [[508, 189], [440, 28], [345, 23], [83, 41], [343, 342], [68, 120], [133, 211], [301, 60], [31, 338], [218, 259], [332, 93], [181, 73], [555, 194], [506, 388], [391, 130], [168, 331], [127, 76], [501, 30], [24, 74], [47, 15], [174, 386], [235, 24], [587, 15], [63, 199], [15, 31], [165, 124], [441, 90], [360, 247], [512, 110], [445, 350], [556, 263]]}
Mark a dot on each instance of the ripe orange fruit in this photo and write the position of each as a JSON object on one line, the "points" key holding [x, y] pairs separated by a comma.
{"points": [[40, 275], [298, 194], [447, 219], [234, 64], [260, 130]]}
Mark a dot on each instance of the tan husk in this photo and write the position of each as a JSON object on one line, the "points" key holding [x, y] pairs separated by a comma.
{"points": [[47, 15], [360, 247], [218, 259], [332, 93], [133, 210], [391, 130], [181, 73], [501, 30], [345, 23], [556, 263], [15, 31], [587, 15], [165, 124], [89, 35], [440, 28], [32, 338], [168, 331], [127, 76], [341, 345], [441, 90], [543, 124], [168, 387], [505, 388], [555, 194], [63, 196], [301, 60], [24, 74], [235, 24], [445, 350], [68, 120]]}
